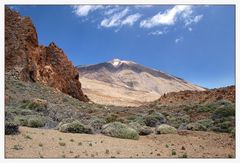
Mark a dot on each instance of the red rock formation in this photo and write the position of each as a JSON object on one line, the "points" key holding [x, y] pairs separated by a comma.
{"points": [[28, 61]]}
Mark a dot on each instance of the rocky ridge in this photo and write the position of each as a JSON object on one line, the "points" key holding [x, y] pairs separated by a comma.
{"points": [[26, 60]]}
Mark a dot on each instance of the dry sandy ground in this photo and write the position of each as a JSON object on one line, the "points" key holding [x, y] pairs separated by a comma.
{"points": [[42, 143]]}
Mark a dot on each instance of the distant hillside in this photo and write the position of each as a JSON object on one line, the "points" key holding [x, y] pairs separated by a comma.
{"points": [[197, 97]]}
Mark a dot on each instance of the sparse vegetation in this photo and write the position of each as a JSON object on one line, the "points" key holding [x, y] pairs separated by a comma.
{"points": [[119, 130], [62, 143], [111, 118], [142, 130], [166, 129], [107, 151], [17, 147], [27, 137], [196, 127], [207, 123], [153, 119], [75, 127], [174, 152], [11, 128]]}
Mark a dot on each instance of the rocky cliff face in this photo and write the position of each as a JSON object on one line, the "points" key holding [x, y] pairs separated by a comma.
{"points": [[28, 61]]}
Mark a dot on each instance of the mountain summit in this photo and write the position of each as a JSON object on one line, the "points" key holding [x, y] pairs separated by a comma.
{"points": [[122, 82]]}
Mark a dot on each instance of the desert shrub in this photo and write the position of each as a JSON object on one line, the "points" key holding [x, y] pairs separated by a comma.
{"points": [[11, 128], [75, 127], [201, 109], [165, 129], [119, 130], [176, 121], [153, 119], [111, 118], [207, 123], [145, 130], [36, 121], [64, 121], [222, 127], [22, 120], [97, 123], [139, 120], [182, 126], [142, 130], [25, 112], [224, 110], [38, 105], [196, 127]]}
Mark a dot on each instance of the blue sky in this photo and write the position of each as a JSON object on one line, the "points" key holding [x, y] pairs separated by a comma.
{"points": [[195, 43]]}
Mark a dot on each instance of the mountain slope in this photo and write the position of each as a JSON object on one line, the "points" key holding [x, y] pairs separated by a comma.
{"points": [[128, 83]]}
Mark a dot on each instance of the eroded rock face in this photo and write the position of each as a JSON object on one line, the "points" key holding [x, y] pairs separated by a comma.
{"points": [[28, 61]]}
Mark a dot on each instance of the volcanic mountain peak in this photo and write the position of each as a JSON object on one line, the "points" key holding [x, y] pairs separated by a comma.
{"points": [[117, 62], [122, 82]]}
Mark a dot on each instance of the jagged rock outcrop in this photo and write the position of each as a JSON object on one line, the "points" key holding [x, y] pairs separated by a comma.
{"points": [[28, 61]]}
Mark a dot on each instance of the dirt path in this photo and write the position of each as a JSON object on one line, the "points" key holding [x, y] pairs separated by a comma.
{"points": [[35, 143]]}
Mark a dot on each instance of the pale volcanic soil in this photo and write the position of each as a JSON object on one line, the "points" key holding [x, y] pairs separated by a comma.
{"points": [[43, 143]]}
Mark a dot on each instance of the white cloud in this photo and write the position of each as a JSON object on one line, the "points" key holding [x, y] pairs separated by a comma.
{"points": [[131, 19], [192, 19], [158, 32], [115, 19], [84, 10], [112, 10], [190, 29], [177, 40], [169, 17]]}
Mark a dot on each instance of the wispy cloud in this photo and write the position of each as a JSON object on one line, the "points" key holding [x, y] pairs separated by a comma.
{"points": [[115, 19], [157, 32], [168, 17], [171, 16], [84, 10], [179, 39], [192, 19], [131, 19], [116, 16]]}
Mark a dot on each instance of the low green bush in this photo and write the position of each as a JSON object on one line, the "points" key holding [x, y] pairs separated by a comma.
{"points": [[207, 123], [75, 127], [222, 127], [31, 121], [176, 121], [36, 121], [142, 130], [120, 130], [166, 129], [153, 119], [224, 111], [111, 118], [38, 105], [97, 123], [196, 127]]}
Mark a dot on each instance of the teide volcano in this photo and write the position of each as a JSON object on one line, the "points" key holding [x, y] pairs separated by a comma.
{"points": [[127, 83]]}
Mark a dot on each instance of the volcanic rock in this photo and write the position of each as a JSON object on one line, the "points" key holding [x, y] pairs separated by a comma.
{"points": [[26, 60]]}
